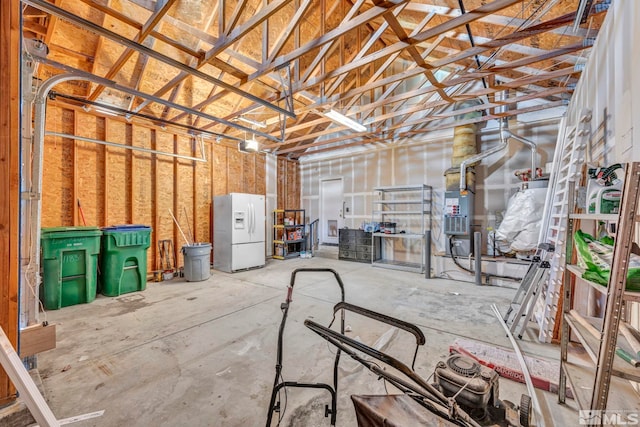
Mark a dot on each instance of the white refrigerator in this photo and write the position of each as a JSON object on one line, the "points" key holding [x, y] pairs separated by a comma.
{"points": [[238, 232]]}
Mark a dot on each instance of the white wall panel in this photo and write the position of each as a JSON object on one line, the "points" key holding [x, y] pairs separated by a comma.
{"points": [[426, 162], [609, 81]]}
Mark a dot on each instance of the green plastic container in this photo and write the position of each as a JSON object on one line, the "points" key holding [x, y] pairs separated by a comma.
{"points": [[123, 259], [69, 265]]}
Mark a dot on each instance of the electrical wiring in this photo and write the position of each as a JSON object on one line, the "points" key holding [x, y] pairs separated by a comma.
{"points": [[487, 275]]}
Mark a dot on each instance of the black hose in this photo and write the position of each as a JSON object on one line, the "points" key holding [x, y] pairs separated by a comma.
{"points": [[468, 270], [455, 260], [607, 174]]}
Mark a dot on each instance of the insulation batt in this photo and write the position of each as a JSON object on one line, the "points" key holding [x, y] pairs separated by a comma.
{"points": [[520, 226]]}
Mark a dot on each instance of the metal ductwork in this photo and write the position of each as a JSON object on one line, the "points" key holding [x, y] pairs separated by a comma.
{"points": [[459, 206], [467, 182], [534, 149], [505, 134], [474, 159], [464, 147], [464, 142]]}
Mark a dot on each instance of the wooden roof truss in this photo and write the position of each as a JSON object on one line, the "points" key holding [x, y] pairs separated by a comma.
{"points": [[402, 68]]}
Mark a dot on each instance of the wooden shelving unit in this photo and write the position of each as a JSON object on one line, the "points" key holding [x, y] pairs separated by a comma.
{"points": [[595, 351], [409, 208], [289, 237]]}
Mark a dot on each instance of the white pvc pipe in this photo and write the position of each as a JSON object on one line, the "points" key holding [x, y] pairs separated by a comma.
{"points": [[537, 411]]}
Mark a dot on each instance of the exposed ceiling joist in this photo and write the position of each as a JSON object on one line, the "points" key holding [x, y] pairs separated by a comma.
{"points": [[398, 66], [163, 8], [61, 13], [231, 38]]}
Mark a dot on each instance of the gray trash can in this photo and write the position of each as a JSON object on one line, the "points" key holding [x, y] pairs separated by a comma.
{"points": [[196, 261]]}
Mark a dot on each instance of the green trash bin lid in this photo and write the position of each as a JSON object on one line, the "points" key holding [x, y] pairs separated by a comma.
{"points": [[125, 228], [64, 232]]}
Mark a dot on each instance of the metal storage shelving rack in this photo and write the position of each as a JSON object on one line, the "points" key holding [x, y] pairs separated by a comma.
{"points": [[611, 372], [283, 246], [410, 207]]}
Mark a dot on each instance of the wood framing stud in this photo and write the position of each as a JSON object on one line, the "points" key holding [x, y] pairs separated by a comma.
{"points": [[9, 180]]}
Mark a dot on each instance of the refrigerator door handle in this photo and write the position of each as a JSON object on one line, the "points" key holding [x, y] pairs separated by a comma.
{"points": [[251, 219], [253, 207]]}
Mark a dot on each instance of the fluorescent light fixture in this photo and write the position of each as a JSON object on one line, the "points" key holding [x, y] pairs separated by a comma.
{"points": [[345, 121], [252, 122], [248, 145]]}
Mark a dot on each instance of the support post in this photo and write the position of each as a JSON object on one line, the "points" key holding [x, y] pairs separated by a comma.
{"points": [[427, 254], [477, 256]]}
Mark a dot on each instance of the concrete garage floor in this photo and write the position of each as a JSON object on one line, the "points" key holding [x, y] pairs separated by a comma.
{"points": [[203, 353]]}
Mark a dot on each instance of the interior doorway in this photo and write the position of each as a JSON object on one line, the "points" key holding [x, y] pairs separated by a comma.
{"points": [[331, 210]]}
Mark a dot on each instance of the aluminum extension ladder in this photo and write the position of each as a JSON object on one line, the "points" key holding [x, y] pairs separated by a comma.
{"points": [[568, 159], [523, 303]]}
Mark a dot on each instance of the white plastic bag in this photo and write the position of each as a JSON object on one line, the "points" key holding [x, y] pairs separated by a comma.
{"points": [[520, 227]]}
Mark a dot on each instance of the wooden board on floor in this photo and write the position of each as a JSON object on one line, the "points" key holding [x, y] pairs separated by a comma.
{"points": [[28, 390], [36, 339], [544, 373]]}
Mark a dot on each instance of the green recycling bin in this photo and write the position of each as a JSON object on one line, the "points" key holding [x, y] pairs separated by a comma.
{"points": [[123, 259], [69, 265]]}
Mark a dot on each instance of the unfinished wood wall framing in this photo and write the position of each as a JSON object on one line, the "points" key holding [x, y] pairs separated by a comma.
{"points": [[288, 184], [9, 179], [120, 186]]}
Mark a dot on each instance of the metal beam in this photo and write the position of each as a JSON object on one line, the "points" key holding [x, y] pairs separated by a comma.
{"points": [[202, 159]]}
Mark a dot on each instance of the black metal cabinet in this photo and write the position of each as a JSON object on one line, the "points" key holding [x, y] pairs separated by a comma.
{"points": [[354, 245]]}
